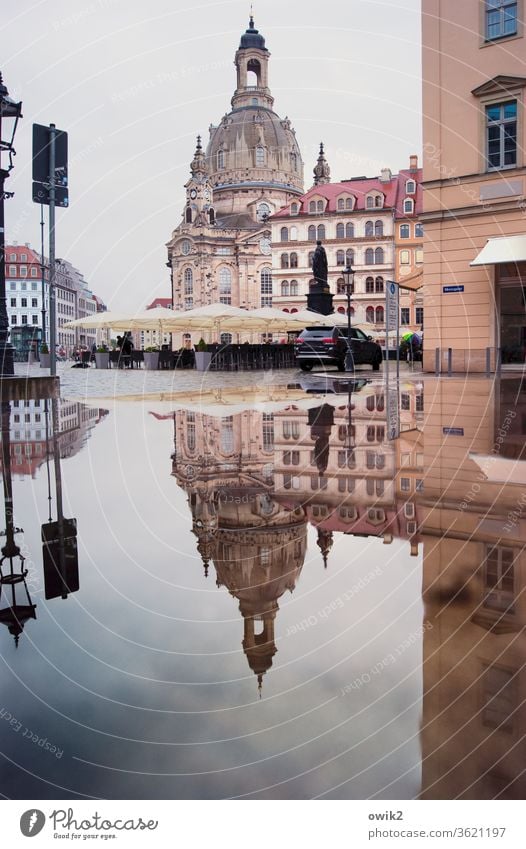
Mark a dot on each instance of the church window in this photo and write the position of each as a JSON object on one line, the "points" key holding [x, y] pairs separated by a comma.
{"points": [[188, 216], [225, 281], [293, 287], [321, 232], [220, 159], [294, 260], [186, 247], [212, 215], [340, 231], [263, 211], [188, 281], [284, 234], [260, 156], [266, 287], [312, 233], [284, 260]]}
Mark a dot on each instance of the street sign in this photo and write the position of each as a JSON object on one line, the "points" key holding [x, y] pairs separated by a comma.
{"points": [[391, 305], [41, 171], [453, 431], [447, 290], [393, 412], [41, 194]]}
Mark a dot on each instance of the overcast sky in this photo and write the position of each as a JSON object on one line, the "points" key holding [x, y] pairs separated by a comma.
{"points": [[134, 82]]}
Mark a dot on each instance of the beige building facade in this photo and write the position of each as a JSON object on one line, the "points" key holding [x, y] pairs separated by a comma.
{"points": [[474, 183]]}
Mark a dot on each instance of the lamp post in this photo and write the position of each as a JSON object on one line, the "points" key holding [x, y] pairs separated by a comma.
{"points": [[8, 109], [348, 276]]}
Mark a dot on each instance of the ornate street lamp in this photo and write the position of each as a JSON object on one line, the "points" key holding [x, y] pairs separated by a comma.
{"points": [[348, 276], [8, 110]]}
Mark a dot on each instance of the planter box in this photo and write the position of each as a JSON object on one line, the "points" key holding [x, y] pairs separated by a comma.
{"points": [[45, 360], [202, 360], [102, 360], [151, 360]]}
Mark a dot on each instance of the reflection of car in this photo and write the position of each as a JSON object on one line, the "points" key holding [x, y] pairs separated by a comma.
{"points": [[328, 385], [316, 346]]}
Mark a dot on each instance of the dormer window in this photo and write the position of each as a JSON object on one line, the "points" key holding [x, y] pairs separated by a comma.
{"points": [[312, 206], [409, 206], [294, 209], [410, 187], [369, 203]]}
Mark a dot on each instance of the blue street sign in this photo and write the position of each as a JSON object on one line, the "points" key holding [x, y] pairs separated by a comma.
{"points": [[448, 289], [453, 431]]}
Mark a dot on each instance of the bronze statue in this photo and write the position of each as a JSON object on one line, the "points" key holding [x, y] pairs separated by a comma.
{"points": [[320, 270]]}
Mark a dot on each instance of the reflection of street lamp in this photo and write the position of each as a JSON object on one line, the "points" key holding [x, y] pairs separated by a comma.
{"points": [[8, 109], [348, 275]]}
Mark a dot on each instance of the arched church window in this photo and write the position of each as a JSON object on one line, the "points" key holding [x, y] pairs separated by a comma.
{"points": [[188, 278], [220, 159], [225, 281], [188, 215], [260, 156], [212, 215]]}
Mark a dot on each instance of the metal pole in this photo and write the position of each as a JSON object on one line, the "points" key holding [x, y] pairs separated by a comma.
{"points": [[349, 358], [398, 335], [43, 271], [449, 361], [437, 361], [52, 295], [7, 361], [58, 491]]}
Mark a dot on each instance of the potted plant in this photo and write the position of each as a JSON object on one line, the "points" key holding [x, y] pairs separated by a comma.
{"points": [[203, 357], [151, 358], [45, 356], [102, 357]]}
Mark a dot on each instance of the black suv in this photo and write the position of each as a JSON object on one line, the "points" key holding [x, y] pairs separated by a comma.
{"points": [[317, 346]]}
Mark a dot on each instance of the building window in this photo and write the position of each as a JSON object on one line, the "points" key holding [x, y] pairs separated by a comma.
{"points": [[349, 256], [369, 256], [405, 484], [294, 208], [321, 232], [369, 203], [409, 206], [23, 271], [263, 211], [378, 228], [340, 257], [13, 319], [220, 159], [349, 230], [24, 319], [501, 134], [34, 271], [319, 206], [293, 235], [34, 319], [340, 231], [225, 281], [405, 257], [34, 302], [380, 315], [23, 302], [404, 315], [499, 579], [369, 315], [419, 230], [369, 228], [340, 287], [312, 233], [419, 315], [284, 260], [266, 287], [293, 287], [12, 270], [369, 285], [312, 206], [294, 260], [405, 401], [419, 256], [285, 288], [379, 284], [260, 156], [284, 234], [501, 19], [188, 303], [13, 302], [341, 205], [410, 187], [379, 256], [349, 203], [188, 278], [405, 231]]}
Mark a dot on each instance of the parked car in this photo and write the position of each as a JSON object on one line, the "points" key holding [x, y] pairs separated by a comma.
{"points": [[321, 346]]}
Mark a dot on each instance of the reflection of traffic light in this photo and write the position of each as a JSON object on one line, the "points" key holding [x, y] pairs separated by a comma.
{"points": [[60, 555]]}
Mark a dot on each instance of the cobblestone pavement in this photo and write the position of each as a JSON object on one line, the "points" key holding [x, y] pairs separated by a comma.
{"points": [[115, 383]]}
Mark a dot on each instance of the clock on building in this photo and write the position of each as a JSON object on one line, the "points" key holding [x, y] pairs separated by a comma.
{"points": [[193, 194], [264, 246], [186, 247]]}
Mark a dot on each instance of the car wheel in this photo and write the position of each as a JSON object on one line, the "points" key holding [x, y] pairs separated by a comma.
{"points": [[306, 366], [376, 363]]}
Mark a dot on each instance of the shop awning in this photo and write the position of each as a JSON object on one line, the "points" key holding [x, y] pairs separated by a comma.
{"points": [[502, 249]]}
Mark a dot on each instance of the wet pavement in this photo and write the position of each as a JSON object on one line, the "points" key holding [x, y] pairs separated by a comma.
{"points": [[277, 586]]}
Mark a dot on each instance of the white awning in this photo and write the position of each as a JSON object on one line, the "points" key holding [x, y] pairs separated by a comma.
{"points": [[502, 249]]}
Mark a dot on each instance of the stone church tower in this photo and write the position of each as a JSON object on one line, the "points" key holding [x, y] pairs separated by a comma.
{"points": [[252, 167]]}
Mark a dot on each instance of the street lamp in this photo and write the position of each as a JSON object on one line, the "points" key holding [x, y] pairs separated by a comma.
{"points": [[348, 276], [8, 109]]}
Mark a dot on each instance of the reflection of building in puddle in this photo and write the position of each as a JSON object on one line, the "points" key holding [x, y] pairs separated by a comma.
{"points": [[28, 432], [256, 545], [474, 578]]}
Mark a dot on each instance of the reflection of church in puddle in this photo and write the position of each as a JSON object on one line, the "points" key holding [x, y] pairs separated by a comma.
{"points": [[474, 531], [256, 545], [250, 517]]}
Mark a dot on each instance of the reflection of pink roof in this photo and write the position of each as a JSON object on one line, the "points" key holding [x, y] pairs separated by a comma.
{"points": [[395, 521]]}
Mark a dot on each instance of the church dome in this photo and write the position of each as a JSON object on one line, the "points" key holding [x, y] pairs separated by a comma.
{"points": [[252, 37]]}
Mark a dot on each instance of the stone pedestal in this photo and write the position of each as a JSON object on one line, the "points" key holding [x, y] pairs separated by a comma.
{"points": [[320, 301]]}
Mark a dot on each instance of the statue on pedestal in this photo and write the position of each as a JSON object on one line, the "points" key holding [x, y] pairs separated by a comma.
{"points": [[320, 270]]}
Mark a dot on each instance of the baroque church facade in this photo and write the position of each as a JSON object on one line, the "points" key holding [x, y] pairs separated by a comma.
{"points": [[251, 168]]}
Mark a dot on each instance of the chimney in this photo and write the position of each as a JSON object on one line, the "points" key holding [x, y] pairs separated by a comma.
{"points": [[413, 163], [386, 175]]}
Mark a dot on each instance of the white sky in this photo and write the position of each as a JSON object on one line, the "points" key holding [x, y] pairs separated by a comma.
{"points": [[133, 83]]}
